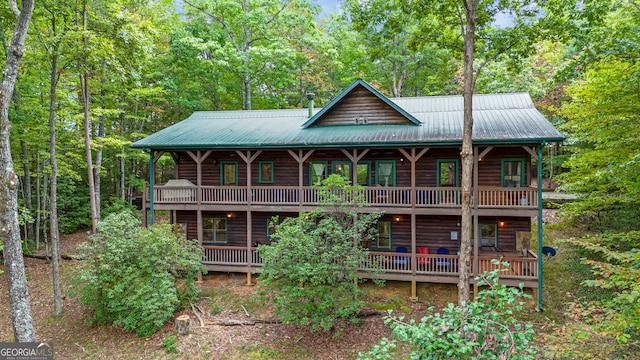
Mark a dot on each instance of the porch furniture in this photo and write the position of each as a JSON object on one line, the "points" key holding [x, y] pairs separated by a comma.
{"points": [[423, 260], [443, 262], [402, 260]]}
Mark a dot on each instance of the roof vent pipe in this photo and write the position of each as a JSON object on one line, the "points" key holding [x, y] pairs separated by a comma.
{"points": [[310, 97]]}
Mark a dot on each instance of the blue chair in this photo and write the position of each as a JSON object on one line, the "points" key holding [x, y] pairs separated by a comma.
{"points": [[443, 262], [402, 260]]}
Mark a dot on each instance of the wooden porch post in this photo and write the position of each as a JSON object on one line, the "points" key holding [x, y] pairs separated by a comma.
{"points": [[248, 159], [476, 230], [413, 158], [300, 157]]}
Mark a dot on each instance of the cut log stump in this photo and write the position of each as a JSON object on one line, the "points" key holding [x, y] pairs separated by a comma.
{"points": [[183, 325]]}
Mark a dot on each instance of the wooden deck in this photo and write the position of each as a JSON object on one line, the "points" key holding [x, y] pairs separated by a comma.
{"points": [[424, 197], [434, 268]]}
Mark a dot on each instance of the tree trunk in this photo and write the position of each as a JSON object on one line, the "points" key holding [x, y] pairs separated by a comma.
{"points": [[84, 86], [470, 8], [22, 321], [97, 169], [38, 199], [27, 189], [53, 217]]}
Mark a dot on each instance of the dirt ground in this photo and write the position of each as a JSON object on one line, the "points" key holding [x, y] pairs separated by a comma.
{"points": [[224, 296]]}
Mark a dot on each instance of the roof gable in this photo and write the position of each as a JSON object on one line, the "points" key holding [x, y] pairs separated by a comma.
{"points": [[361, 104]]}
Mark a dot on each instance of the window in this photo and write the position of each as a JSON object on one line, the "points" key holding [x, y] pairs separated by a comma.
{"points": [[228, 173], [447, 173], [386, 172], [488, 234], [317, 172], [384, 235], [214, 230], [272, 223], [364, 173], [513, 172], [342, 168], [265, 172]]}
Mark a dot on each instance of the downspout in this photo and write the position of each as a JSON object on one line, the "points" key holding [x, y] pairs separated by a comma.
{"points": [[150, 187], [540, 225]]}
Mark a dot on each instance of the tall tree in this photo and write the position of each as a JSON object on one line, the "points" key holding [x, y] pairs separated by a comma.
{"points": [[470, 8], [254, 37], [9, 231]]}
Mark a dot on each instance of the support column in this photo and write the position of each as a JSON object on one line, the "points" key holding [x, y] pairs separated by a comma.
{"points": [[476, 201], [413, 158], [540, 237], [151, 182]]}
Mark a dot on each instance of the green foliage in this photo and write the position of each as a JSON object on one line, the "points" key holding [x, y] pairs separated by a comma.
{"points": [[119, 206], [170, 344], [135, 277], [602, 120], [485, 329], [619, 271], [605, 321], [310, 270]]}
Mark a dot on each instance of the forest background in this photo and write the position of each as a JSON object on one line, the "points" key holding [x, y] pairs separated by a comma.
{"points": [[108, 73]]}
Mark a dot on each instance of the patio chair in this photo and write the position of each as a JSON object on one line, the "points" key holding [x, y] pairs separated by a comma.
{"points": [[402, 260], [423, 260], [443, 262]]}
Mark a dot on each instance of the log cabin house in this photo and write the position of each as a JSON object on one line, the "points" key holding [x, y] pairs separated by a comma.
{"points": [[234, 170]]}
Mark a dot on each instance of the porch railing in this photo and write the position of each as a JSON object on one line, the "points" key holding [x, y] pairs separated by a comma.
{"points": [[488, 197], [525, 268]]}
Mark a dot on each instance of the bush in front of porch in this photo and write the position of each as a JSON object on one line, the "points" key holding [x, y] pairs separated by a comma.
{"points": [[485, 329], [135, 277], [311, 270]]}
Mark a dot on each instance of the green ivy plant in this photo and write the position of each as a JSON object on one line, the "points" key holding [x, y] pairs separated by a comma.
{"points": [[135, 277], [485, 329], [310, 269]]}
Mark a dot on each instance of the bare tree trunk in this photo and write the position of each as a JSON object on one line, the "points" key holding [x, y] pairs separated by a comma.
{"points": [[27, 188], [98, 167], [84, 86], [53, 217], [39, 206], [22, 321], [470, 9]]}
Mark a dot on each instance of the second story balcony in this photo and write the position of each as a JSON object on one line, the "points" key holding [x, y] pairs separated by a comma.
{"points": [[393, 197]]}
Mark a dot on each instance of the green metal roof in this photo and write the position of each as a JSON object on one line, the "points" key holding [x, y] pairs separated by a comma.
{"points": [[498, 119]]}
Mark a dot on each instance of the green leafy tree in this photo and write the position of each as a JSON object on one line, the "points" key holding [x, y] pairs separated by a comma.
{"points": [[311, 271], [135, 277], [487, 328], [602, 120]]}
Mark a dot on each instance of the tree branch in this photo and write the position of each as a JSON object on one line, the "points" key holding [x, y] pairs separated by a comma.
{"points": [[219, 20], [14, 8]]}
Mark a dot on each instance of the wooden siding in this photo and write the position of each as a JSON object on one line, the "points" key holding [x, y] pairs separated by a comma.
{"points": [[286, 168], [361, 104], [490, 167], [432, 232]]}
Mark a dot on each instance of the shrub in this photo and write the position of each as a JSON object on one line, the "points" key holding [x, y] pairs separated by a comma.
{"points": [[132, 275], [485, 329], [311, 270]]}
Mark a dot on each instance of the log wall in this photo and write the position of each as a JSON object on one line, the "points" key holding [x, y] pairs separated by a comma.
{"points": [[360, 106], [286, 168], [432, 232]]}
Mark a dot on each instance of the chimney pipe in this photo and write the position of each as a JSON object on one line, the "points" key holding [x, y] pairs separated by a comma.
{"points": [[310, 97]]}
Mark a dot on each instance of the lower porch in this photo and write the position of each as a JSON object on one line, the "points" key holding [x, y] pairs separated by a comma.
{"points": [[522, 266]]}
